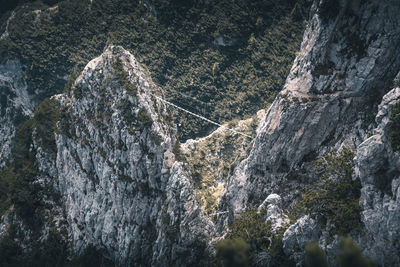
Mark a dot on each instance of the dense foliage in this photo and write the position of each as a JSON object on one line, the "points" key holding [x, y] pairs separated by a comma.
{"points": [[53, 251], [349, 255], [334, 199], [7, 5], [223, 59], [394, 127], [233, 252], [314, 256], [251, 228]]}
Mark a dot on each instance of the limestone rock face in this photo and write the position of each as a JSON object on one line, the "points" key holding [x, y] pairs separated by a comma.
{"points": [[297, 236], [330, 84], [378, 168], [122, 188], [15, 105], [346, 62], [274, 214]]}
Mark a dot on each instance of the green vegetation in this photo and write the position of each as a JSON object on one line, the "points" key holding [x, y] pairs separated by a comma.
{"points": [[314, 256], [7, 6], [16, 182], [232, 252], [50, 252], [173, 232], [251, 229], [123, 78], [144, 118], [77, 91], [350, 254], [178, 152], [213, 158], [394, 127], [141, 120], [232, 55], [126, 109], [335, 198], [91, 257]]}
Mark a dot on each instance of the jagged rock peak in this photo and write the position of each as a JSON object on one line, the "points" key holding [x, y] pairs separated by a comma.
{"points": [[116, 63], [122, 187]]}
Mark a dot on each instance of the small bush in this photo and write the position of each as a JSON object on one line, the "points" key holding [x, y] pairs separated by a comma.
{"points": [[233, 252], [173, 232], [123, 77], [394, 127], [77, 91], [144, 118], [251, 228], [323, 69], [177, 151], [314, 256], [279, 258], [334, 198], [350, 254]]}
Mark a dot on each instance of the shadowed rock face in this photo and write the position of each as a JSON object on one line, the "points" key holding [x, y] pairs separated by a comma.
{"points": [[15, 105]]}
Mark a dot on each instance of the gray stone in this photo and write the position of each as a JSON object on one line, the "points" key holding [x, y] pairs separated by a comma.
{"points": [[378, 168], [274, 213], [322, 107], [297, 236]]}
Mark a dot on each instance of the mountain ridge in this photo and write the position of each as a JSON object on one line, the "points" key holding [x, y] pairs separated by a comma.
{"points": [[100, 166]]}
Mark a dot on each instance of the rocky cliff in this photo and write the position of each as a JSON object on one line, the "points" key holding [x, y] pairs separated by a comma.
{"points": [[115, 168], [101, 166], [347, 61], [122, 185], [377, 165]]}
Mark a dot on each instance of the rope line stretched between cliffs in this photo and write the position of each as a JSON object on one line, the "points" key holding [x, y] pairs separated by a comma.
{"points": [[201, 117]]}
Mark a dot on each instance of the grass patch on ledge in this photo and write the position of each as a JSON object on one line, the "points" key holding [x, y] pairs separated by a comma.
{"points": [[212, 159], [394, 127]]}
